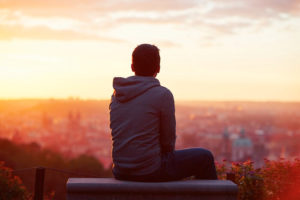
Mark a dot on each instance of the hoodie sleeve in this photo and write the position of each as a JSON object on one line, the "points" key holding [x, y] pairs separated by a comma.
{"points": [[167, 123]]}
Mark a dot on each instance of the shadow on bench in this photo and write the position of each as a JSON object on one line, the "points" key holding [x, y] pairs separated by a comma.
{"points": [[109, 188]]}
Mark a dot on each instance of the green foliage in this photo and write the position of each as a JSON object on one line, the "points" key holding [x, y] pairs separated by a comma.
{"points": [[11, 186], [19, 156], [277, 180], [250, 181]]}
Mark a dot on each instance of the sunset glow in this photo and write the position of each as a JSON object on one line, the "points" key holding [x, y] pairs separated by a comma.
{"points": [[210, 50]]}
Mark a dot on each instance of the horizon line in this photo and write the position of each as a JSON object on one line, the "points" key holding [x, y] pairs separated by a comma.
{"points": [[176, 100]]}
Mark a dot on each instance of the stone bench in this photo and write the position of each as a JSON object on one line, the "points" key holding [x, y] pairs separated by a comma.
{"points": [[109, 188]]}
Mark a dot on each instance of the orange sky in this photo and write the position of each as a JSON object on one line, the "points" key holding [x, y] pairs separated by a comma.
{"points": [[210, 49]]}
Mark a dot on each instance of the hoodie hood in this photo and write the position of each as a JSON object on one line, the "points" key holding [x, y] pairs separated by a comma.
{"points": [[133, 86]]}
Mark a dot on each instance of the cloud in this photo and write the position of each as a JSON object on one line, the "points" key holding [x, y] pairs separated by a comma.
{"points": [[92, 16], [255, 9], [9, 32], [232, 16], [164, 20], [167, 44], [73, 8], [88, 9], [155, 5], [89, 15]]}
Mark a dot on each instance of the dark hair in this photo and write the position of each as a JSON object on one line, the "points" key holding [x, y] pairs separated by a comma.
{"points": [[145, 60]]}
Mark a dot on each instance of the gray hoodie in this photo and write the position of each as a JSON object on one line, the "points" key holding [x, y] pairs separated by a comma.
{"points": [[142, 122]]}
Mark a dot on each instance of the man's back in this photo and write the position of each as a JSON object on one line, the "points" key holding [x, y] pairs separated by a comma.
{"points": [[142, 120]]}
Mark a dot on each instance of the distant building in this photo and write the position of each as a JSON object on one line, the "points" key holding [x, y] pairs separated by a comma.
{"points": [[226, 145], [242, 148], [260, 151]]}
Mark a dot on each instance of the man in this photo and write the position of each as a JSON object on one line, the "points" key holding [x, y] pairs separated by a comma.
{"points": [[143, 127]]}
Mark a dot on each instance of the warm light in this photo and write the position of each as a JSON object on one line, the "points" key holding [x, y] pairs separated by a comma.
{"points": [[210, 50]]}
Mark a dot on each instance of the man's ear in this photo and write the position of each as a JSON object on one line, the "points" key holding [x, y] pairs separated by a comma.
{"points": [[132, 68]]}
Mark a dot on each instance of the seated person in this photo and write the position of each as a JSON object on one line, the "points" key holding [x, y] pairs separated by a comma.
{"points": [[143, 127]]}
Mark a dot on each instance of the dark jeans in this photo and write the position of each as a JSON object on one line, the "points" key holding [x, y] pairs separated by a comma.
{"points": [[180, 164]]}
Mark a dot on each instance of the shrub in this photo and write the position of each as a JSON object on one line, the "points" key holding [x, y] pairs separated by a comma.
{"points": [[277, 180], [281, 179], [11, 186]]}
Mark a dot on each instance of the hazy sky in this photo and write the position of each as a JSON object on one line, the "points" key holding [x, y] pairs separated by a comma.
{"points": [[210, 49]]}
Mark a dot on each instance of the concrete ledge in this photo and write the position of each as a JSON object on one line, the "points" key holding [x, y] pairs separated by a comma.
{"points": [[109, 188]]}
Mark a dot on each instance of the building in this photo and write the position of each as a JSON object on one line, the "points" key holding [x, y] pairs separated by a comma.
{"points": [[242, 148]]}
